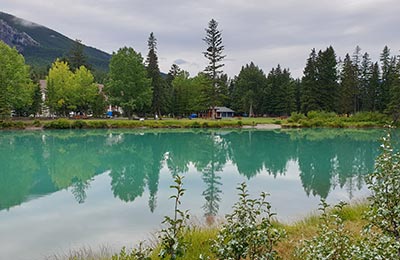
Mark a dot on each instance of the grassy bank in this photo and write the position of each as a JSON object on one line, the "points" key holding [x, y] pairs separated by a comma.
{"points": [[311, 120], [199, 237], [124, 123], [332, 120]]}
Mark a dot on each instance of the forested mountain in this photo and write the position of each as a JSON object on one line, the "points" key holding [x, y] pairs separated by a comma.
{"points": [[41, 45]]}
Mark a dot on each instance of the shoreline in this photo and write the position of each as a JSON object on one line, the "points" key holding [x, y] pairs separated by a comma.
{"points": [[169, 123]]}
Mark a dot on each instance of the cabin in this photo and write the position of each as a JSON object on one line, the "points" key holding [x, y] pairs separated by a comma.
{"points": [[221, 112]]}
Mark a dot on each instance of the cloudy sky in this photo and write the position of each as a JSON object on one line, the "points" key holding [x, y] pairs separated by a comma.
{"points": [[263, 31]]}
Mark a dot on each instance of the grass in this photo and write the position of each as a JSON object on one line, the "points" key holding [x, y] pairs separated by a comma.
{"points": [[65, 123], [312, 120], [332, 120], [200, 237]]}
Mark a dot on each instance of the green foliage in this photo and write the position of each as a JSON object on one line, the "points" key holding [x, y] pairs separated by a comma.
{"points": [[279, 98], [248, 232], [348, 88], [16, 88], [78, 124], [67, 91], [158, 84], [76, 57], [296, 117], [248, 90], [7, 124], [128, 84], [172, 237], [139, 253], [319, 84], [58, 124], [214, 56], [384, 182], [37, 123], [333, 241], [59, 91], [189, 93]]}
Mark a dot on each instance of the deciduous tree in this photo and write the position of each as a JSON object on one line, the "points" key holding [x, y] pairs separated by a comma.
{"points": [[16, 88], [128, 84]]}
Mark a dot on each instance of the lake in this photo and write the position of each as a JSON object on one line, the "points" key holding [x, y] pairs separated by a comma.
{"points": [[62, 190]]}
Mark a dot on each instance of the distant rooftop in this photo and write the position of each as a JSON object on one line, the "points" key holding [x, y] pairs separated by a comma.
{"points": [[224, 110]]}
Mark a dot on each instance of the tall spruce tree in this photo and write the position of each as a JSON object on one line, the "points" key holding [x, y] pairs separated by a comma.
{"points": [[357, 59], [375, 86], [367, 95], [327, 79], [249, 90], [386, 79], [281, 90], [174, 71], [309, 97], [214, 54], [153, 72], [348, 88], [394, 103]]}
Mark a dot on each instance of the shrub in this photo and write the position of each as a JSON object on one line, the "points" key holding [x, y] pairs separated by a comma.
{"points": [[296, 117], [58, 124], [332, 242], [248, 232], [97, 124], [78, 124], [172, 237], [195, 124], [384, 183], [370, 117], [139, 253], [37, 123], [320, 115]]}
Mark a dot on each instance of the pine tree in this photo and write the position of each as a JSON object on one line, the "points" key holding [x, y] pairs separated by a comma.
{"points": [[375, 86], [367, 95], [309, 97], [153, 72], [356, 60], [394, 104], [281, 90], [348, 88], [327, 79], [386, 79], [249, 90], [76, 56], [214, 55], [174, 71]]}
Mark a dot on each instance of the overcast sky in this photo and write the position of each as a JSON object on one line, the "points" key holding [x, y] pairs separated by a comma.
{"points": [[263, 31]]}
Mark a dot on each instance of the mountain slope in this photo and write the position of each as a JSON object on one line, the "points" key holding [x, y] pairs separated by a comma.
{"points": [[41, 45]]}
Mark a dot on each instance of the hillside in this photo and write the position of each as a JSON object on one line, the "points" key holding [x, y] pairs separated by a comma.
{"points": [[41, 45]]}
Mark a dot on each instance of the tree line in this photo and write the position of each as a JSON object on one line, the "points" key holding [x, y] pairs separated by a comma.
{"points": [[135, 84]]}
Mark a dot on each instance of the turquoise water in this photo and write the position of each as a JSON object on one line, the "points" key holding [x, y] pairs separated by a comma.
{"points": [[61, 190]]}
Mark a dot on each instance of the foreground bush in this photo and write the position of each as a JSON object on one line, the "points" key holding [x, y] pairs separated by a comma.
{"points": [[248, 232]]}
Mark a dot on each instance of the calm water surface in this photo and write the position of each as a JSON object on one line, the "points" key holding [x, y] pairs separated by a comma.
{"points": [[61, 190]]}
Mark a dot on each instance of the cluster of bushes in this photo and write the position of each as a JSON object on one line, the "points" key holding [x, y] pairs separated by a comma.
{"points": [[79, 124], [7, 124], [251, 233], [330, 119]]}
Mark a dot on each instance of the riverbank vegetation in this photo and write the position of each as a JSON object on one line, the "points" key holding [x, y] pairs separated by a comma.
{"points": [[135, 86], [314, 119]]}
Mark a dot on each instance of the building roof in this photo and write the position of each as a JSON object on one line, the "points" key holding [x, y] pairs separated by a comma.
{"points": [[224, 110]]}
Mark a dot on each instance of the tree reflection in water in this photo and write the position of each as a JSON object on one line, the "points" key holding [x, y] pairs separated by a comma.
{"points": [[51, 161]]}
